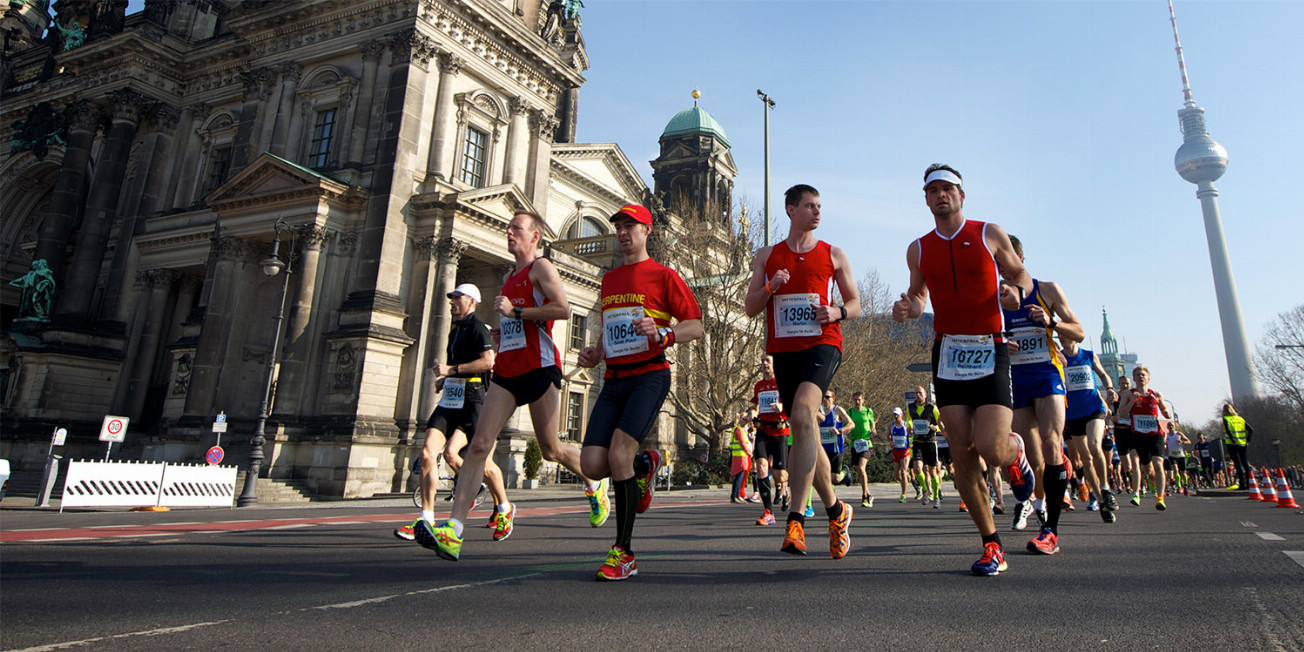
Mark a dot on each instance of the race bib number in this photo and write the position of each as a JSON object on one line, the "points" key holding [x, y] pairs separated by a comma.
{"points": [[900, 442], [1204, 452], [966, 357], [794, 315], [1079, 378], [1145, 423], [827, 436], [1033, 346], [943, 443], [765, 401], [454, 393], [861, 445], [619, 338], [920, 426], [511, 334]]}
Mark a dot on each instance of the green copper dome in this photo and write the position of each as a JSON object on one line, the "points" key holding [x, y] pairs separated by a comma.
{"points": [[695, 121]]}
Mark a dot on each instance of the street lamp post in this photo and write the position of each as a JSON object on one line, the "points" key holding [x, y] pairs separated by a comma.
{"points": [[768, 105], [272, 266]]}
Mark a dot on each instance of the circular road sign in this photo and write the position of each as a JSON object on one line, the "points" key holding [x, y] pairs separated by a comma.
{"points": [[214, 455]]}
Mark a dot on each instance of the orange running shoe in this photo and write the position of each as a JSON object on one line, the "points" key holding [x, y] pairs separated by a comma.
{"points": [[794, 541], [839, 539]]}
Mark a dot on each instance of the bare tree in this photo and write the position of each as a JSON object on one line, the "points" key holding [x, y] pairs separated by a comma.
{"points": [[1280, 357]]}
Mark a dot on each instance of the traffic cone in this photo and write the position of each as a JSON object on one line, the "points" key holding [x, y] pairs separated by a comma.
{"points": [[1269, 493], [1254, 488], [1284, 498]]}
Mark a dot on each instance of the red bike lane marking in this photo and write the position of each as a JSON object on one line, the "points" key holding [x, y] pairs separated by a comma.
{"points": [[244, 525]]}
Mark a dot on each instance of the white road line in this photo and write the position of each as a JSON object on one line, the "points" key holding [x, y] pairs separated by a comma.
{"points": [[1249, 524], [291, 526], [1268, 536], [1297, 555], [152, 632], [438, 589]]}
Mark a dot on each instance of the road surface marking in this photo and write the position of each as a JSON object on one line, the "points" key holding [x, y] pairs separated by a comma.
{"points": [[1268, 536], [1297, 555], [151, 632]]}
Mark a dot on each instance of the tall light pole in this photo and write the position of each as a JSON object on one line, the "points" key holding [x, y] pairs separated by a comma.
{"points": [[272, 266], [768, 105]]}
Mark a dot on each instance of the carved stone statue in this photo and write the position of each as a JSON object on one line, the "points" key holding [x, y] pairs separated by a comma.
{"points": [[37, 292]]}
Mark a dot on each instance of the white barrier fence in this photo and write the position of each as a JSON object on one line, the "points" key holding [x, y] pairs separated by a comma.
{"points": [[143, 484]]}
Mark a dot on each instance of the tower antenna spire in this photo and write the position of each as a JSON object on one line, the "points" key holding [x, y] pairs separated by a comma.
{"points": [[1181, 58]]}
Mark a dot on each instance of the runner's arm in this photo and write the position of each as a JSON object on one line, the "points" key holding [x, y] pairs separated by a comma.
{"points": [[913, 300], [758, 295], [1008, 263], [846, 286], [1100, 371], [545, 277], [1068, 325]]}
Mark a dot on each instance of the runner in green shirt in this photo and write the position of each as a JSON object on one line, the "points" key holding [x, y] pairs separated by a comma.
{"points": [[862, 443]]}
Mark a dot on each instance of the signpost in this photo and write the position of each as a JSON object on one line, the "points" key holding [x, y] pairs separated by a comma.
{"points": [[113, 430], [214, 454]]}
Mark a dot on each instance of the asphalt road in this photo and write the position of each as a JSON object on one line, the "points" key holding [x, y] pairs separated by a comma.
{"points": [[1211, 572]]}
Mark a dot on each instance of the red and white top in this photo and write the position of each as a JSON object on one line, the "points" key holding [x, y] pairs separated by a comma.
{"points": [[964, 284], [790, 315], [524, 344], [631, 292], [1145, 413], [765, 396]]}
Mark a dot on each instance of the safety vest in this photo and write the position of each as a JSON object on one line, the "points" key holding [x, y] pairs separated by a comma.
{"points": [[1234, 425], [736, 445]]}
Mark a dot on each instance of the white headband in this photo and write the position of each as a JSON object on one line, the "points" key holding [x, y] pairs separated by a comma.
{"points": [[942, 175]]}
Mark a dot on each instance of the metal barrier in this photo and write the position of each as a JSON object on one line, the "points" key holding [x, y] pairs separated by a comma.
{"points": [[143, 484]]}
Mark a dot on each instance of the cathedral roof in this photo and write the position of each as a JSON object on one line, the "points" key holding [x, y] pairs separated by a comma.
{"points": [[694, 121]]}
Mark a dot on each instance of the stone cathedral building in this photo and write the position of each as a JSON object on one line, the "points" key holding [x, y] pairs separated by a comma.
{"points": [[148, 158]]}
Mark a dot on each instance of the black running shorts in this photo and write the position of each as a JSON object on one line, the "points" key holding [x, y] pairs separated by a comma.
{"points": [[630, 404], [774, 447], [926, 451], [1148, 447], [446, 420], [1078, 427], [988, 390], [814, 365], [531, 385]]}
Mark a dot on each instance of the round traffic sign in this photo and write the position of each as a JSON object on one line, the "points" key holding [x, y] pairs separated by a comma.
{"points": [[214, 455], [115, 426]]}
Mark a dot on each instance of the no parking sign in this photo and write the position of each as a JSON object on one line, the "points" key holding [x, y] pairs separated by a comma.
{"points": [[214, 455], [114, 429]]}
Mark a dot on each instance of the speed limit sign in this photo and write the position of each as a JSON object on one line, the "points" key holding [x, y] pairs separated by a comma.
{"points": [[114, 429]]}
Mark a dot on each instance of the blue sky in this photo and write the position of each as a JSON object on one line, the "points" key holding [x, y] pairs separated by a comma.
{"points": [[1061, 115]]}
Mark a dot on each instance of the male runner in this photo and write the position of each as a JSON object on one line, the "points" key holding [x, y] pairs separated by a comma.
{"points": [[1084, 425], [1206, 459], [639, 300], [792, 281], [1176, 462], [899, 436], [833, 437], [771, 448], [961, 263], [1145, 405], [862, 442], [1123, 436], [527, 371], [469, 354], [925, 422]]}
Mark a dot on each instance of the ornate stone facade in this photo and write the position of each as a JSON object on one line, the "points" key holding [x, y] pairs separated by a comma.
{"points": [[395, 137]]}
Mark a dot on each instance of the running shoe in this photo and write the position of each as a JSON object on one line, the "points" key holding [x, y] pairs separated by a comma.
{"points": [[441, 538], [923, 499], [937, 503], [1108, 516], [647, 483], [998, 508], [1042, 517], [1110, 503], [902, 499], [963, 507], [1068, 505], [783, 504], [1093, 504], [620, 565], [754, 498], [405, 532], [867, 501], [839, 540], [766, 519], [1084, 494], [1159, 503], [493, 519], [1045, 543], [599, 504], [503, 526], [1136, 499], [810, 511], [794, 541], [1022, 510], [1022, 480], [992, 562]]}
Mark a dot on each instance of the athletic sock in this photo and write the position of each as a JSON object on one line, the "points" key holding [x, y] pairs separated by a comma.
{"points": [[642, 464], [1077, 477], [932, 482], [627, 495], [593, 487], [834, 512], [1056, 483], [428, 516], [992, 538], [766, 499], [457, 526], [502, 509], [797, 516]]}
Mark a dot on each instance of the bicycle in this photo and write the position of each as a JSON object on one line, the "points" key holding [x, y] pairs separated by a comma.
{"points": [[416, 494]]}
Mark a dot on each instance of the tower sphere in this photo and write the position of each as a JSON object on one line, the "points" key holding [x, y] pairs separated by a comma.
{"points": [[1200, 159]]}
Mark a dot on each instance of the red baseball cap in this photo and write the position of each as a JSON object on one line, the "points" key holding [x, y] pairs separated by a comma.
{"points": [[634, 212]]}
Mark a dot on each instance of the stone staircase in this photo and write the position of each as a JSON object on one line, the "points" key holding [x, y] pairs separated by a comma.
{"points": [[278, 491]]}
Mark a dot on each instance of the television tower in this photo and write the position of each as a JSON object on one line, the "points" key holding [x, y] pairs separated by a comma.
{"points": [[1201, 160]]}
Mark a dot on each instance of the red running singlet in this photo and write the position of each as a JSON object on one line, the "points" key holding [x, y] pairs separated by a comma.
{"points": [[963, 281], [1145, 414], [524, 344], [790, 314]]}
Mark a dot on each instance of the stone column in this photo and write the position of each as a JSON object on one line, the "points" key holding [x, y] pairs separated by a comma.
{"points": [[151, 340], [297, 351], [83, 121], [518, 134], [290, 72], [449, 251], [185, 159], [536, 186], [294, 141], [371, 51], [101, 207], [219, 314], [421, 297], [257, 86], [437, 165], [138, 304]]}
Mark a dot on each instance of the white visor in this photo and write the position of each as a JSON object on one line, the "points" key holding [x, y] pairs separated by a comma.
{"points": [[942, 175]]}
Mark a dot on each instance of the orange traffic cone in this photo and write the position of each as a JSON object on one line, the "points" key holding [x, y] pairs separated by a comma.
{"points": [[1269, 493], [1284, 498], [1254, 487]]}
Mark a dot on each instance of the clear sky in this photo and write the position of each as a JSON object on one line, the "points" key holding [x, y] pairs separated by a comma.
{"points": [[1061, 115]]}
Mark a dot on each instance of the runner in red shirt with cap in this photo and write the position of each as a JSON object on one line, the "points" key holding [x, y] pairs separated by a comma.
{"points": [[793, 282], [639, 300]]}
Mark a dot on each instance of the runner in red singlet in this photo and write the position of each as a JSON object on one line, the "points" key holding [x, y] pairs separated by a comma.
{"points": [[1145, 406], [527, 371], [793, 282], [961, 262], [771, 448]]}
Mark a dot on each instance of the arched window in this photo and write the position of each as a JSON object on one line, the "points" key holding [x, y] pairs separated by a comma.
{"points": [[586, 227]]}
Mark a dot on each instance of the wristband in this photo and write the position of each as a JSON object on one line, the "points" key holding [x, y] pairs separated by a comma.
{"points": [[517, 311], [767, 288], [455, 371], [665, 337], [844, 313]]}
